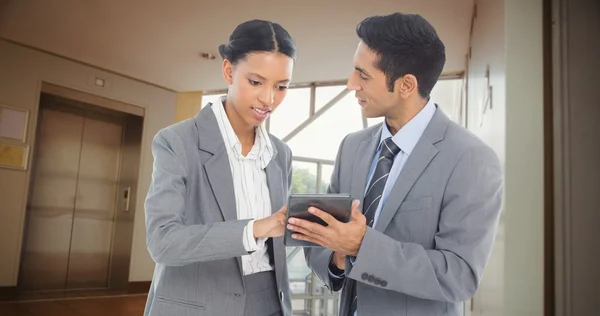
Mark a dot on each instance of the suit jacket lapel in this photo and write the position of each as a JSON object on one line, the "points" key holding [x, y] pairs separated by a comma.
{"points": [[362, 165], [217, 167], [414, 166], [419, 159], [275, 183], [220, 178]]}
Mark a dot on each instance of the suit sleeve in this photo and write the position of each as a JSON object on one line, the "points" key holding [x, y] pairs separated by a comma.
{"points": [[467, 225], [318, 259], [169, 241]]}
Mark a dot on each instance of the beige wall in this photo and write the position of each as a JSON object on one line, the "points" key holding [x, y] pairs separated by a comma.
{"points": [[507, 36], [487, 50], [524, 258], [22, 71], [188, 105]]}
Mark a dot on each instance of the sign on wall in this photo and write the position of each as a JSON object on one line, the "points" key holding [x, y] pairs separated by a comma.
{"points": [[14, 151]]}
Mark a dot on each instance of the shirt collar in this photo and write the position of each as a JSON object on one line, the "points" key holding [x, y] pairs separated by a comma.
{"points": [[262, 149], [408, 136]]}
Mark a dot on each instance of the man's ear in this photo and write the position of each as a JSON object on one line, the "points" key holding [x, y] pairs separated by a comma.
{"points": [[406, 85]]}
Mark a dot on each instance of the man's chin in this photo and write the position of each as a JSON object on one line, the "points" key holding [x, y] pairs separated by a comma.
{"points": [[370, 115]]}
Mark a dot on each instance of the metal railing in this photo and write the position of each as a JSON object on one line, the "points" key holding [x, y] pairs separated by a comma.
{"points": [[317, 299]]}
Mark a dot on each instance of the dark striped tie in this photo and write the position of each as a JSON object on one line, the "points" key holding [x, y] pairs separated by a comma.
{"points": [[389, 150]]}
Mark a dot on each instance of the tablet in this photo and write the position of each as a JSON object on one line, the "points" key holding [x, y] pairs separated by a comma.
{"points": [[337, 205]]}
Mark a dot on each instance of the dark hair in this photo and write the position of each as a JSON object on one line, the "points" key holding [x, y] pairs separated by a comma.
{"points": [[257, 36], [405, 44]]}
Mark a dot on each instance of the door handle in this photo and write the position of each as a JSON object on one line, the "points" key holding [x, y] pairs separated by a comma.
{"points": [[126, 197]]}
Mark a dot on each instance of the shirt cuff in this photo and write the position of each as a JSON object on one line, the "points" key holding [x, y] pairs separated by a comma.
{"points": [[337, 276], [250, 243], [334, 271]]}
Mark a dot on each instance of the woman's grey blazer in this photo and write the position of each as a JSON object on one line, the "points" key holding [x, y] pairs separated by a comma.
{"points": [[192, 230]]}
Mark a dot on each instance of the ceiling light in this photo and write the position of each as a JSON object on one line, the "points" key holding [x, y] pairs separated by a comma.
{"points": [[208, 56]]}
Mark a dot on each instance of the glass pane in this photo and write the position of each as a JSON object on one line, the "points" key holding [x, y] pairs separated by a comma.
{"points": [[299, 273], [373, 121], [298, 307], [212, 98], [291, 112], [304, 177], [447, 94], [325, 94], [297, 269], [321, 139], [326, 171]]}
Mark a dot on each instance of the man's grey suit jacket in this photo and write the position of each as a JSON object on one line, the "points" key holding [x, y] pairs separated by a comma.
{"points": [[430, 245], [192, 230]]}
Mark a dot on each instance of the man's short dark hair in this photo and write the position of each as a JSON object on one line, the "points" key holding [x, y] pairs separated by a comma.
{"points": [[405, 44]]}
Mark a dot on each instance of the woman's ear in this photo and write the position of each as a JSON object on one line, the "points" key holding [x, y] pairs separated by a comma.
{"points": [[227, 69]]}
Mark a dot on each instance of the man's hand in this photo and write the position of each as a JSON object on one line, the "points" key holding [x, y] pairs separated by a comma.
{"points": [[272, 226], [343, 238]]}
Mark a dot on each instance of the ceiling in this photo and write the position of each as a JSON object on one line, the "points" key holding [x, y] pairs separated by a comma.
{"points": [[160, 42]]}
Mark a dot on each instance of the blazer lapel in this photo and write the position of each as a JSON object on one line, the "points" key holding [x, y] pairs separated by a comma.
{"points": [[414, 166], [362, 165], [217, 167], [275, 183], [419, 159], [220, 178]]}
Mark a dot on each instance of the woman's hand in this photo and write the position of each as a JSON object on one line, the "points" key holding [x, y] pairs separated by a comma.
{"points": [[272, 226]]}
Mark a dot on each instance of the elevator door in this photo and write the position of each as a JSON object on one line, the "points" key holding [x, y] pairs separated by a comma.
{"points": [[72, 204]]}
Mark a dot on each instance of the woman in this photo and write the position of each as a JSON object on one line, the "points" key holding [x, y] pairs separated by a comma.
{"points": [[215, 209]]}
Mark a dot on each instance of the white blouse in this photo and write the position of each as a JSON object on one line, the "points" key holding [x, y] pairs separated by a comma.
{"points": [[252, 198]]}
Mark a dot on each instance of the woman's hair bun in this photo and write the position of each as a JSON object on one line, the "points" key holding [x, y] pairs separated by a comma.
{"points": [[223, 51]]}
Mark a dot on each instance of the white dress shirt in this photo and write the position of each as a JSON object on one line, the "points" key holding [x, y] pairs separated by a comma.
{"points": [[252, 198], [406, 139]]}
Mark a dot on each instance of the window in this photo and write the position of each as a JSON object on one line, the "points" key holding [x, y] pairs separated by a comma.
{"points": [[314, 135], [291, 112], [448, 96], [322, 137]]}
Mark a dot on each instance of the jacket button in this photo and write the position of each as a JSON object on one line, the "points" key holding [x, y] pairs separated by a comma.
{"points": [[384, 283], [237, 295], [377, 281], [281, 296], [365, 276], [371, 278]]}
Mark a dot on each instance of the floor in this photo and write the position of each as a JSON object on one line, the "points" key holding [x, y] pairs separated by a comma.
{"points": [[75, 303]]}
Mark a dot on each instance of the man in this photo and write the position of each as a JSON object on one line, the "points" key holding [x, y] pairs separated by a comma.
{"points": [[428, 191]]}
